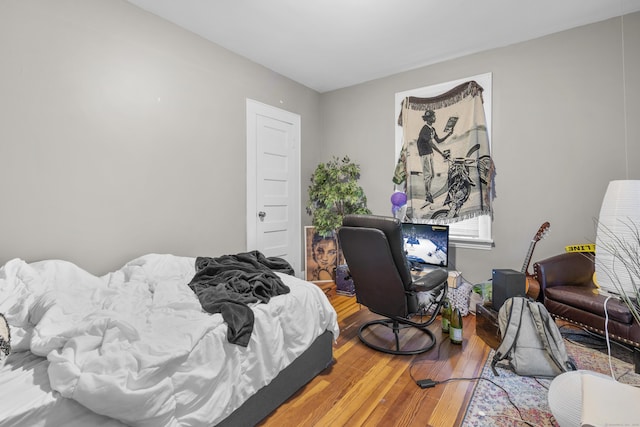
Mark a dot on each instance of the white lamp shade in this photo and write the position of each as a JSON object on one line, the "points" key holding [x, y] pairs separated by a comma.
{"points": [[620, 210]]}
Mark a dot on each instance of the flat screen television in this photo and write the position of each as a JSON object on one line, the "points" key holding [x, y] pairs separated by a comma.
{"points": [[426, 245]]}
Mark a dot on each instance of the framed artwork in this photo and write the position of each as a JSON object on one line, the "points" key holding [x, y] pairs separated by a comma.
{"points": [[322, 256]]}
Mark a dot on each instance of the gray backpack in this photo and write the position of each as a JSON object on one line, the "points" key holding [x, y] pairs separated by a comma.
{"points": [[531, 340]]}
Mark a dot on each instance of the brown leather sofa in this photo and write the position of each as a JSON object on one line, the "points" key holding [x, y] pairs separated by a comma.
{"points": [[568, 292]]}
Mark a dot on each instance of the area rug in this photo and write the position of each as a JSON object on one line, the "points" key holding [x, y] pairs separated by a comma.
{"points": [[512, 400]]}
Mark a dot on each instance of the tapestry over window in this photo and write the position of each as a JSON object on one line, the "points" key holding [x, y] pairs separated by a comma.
{"points": [[445, 162]]}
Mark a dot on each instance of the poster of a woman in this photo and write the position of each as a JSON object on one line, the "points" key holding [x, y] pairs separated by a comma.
{"points": [[321, 256]]}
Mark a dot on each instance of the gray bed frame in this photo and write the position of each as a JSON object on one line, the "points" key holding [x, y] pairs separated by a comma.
{"points": [[309, 364]]}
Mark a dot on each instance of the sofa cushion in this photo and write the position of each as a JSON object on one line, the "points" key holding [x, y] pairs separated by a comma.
{"points": [[588, 299]]}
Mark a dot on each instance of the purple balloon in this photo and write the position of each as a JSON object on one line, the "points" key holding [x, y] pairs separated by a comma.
{"points": [[398, 198]]}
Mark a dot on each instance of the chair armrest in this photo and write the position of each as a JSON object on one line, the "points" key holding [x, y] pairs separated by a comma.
{"points": [[573, 269], [430, 281]]}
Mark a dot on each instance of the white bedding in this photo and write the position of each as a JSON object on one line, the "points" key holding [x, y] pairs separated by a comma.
{"points": [[27, 400], [135, 345]]}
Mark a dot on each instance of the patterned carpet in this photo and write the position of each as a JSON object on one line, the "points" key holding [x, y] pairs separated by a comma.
{"points": [[527, 397]]}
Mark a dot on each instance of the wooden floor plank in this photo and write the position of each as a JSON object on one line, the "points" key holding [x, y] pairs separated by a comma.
{"points": [[365, 387]]}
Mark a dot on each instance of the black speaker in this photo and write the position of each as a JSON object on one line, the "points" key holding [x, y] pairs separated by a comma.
{"points": [[506, 284]]}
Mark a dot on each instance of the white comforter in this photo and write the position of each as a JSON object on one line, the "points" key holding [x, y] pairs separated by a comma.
{"points": [[135, 344]]}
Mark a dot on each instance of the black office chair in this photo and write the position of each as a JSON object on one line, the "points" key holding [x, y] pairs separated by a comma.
{"points": [[373, 248]]}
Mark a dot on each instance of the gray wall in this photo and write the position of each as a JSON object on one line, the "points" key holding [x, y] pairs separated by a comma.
{"points": [[121, 134], [558, 134]]}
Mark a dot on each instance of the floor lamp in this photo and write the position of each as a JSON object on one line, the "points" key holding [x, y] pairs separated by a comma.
{"points": [[618, 239]]}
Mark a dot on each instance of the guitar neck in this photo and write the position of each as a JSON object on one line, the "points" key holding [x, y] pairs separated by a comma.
{"points": [[527, 259], [539, 235]]}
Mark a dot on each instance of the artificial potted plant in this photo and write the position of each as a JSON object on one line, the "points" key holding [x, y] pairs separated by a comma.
{"points": [[334, 192]]}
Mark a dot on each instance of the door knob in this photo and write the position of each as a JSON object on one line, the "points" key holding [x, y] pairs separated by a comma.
{"points": [[262, 214]]}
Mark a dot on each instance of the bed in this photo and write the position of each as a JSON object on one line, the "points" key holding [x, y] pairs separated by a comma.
{"points": [[135, 347]]}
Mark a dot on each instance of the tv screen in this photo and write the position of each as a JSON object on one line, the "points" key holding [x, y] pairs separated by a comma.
{"points": [[426, 244]]}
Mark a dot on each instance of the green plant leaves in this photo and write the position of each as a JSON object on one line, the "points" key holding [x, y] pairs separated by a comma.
{"points": [[333, 193]]}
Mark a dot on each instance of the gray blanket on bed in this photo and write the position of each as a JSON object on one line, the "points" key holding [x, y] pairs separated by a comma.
{"points": [[227, 284]]}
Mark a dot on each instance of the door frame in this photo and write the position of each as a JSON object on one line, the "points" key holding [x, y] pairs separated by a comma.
{"points": [[253, 110]]}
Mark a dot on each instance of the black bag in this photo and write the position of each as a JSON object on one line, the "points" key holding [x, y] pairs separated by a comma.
{"points": [[531, 340]]}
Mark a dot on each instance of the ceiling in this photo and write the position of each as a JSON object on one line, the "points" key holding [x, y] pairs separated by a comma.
{"points": [[331, 44]]}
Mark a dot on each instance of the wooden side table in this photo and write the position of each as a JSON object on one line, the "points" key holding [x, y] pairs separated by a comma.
{"points": [[487, 326]]}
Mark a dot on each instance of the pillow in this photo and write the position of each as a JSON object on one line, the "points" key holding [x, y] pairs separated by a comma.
{"points": [[5, 340]]}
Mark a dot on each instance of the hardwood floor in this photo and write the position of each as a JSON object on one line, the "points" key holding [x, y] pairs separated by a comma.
{"points": [[365, 387]]}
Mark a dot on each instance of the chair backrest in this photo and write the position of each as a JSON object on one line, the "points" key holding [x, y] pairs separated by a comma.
{"points": [[374, 251]]}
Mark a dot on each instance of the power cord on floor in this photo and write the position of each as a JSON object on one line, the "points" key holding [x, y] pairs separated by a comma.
{"points": [[577, 336], [429, 383], [418, 361], [596, 342], [541, 384]]}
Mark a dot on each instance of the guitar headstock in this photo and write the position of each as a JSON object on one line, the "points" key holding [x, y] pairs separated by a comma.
{"points": [[542, 231]]}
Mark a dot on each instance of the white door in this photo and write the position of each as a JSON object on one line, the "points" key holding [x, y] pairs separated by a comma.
{"points": [[273, 182]]}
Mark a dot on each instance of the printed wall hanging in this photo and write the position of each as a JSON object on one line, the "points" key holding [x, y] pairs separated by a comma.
{"points": [[445, 162]]}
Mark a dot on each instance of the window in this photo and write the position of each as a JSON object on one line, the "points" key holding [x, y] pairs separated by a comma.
{"points": [[474, 232]]}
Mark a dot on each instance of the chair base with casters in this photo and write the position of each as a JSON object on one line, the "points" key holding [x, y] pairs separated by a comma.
{"points": [[373, 247]]}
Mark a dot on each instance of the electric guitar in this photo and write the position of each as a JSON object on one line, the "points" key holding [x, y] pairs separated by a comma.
{"points": [[532, 285]]}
